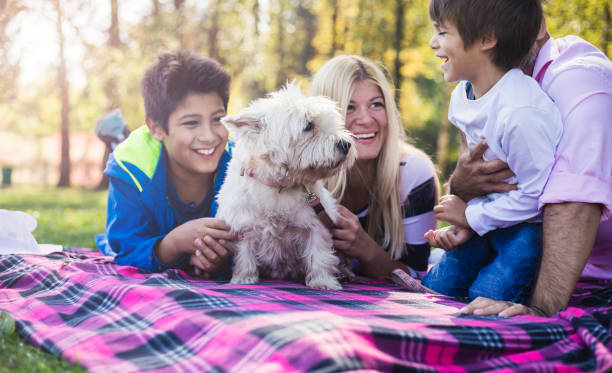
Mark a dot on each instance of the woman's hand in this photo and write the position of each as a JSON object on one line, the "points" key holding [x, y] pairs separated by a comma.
{"points": [[350, 238]]}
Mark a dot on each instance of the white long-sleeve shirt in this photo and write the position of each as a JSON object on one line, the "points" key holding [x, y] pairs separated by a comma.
{"points": [[522, 127]]}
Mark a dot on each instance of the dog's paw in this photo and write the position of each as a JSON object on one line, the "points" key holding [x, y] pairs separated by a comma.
{"points": [[244, 280], [324, 283], [345, 274]]}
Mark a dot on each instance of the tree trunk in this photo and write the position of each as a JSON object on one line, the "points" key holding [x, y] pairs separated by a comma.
{"points": [[256, 18], [64, 179], [360, 25], [213, 32], [334, 41], [605, 33], [110, 87], [399, 36], [113, 31], [308, 21], [179, 9], [178, 4], [155, 8], [443, 135], [281, 77]]}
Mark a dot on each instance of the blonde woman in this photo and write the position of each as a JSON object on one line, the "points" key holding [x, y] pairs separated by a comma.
{"points": [[387, 197]]}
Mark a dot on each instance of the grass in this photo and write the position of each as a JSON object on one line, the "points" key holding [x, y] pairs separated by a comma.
{"points": [[69, 217]]}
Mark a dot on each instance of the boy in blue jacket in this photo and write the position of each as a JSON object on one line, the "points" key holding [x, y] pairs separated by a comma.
{"points": [[165, 175]]}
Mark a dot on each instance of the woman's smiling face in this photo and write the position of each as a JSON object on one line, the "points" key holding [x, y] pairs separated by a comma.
{"points": [[366, 118]]}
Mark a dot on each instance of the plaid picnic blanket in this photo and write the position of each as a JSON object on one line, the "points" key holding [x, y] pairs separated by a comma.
{"points": [[109, 318]]}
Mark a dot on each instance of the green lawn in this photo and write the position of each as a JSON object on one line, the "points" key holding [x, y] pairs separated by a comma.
{"points": [[69, 217]]}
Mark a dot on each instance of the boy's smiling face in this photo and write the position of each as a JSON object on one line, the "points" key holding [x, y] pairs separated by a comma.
{"points": [[196, 138], [458, 63]]}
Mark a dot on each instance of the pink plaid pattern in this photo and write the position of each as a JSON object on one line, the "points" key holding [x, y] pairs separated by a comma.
{"points": [[80, 305]]}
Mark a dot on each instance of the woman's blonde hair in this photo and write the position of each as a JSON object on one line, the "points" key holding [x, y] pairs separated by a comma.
{"points": [[336, 79]]}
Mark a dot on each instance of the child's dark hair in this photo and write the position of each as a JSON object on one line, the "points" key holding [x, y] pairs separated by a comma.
{"points": [[515, 24], [174, 75]]}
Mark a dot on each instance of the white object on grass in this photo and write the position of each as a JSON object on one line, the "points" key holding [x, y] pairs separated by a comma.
{"points": [[16, 229]]}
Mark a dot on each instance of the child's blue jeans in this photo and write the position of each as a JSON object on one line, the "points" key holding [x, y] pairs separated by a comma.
{"points": [[500, 265]]}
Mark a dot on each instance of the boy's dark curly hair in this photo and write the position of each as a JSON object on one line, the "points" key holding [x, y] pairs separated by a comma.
{"points": [[174, 75]]}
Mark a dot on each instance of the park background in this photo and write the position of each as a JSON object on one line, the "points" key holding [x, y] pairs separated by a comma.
{"points": [[64, 63]]}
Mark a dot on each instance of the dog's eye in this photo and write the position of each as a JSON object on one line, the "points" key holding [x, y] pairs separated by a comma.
{"points": [[309, 127]]}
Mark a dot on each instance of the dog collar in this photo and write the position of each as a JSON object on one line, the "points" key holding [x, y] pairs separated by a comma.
{"points": [[251, 171], [313, 201]]}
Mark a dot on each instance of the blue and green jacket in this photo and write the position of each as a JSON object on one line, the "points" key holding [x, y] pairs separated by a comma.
{"points": [[138, 212]]}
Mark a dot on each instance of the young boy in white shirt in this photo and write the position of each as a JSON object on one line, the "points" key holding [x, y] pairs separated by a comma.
{"points": [[494, 242]]}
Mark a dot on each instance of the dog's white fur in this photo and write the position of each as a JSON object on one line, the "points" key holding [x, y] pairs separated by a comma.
{"points": [[279, 234]]}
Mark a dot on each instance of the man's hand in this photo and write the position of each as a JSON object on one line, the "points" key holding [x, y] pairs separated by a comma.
{"points": [[475, 177], [451, 208], [482, 306], [448, 238]]}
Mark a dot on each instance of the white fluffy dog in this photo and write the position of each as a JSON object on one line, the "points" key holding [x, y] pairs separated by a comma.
{"points": [[287, 142]]}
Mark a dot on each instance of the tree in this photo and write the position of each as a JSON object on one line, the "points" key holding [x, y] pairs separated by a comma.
{"points": [[110, 88], [261, 44], [282, 68], [64, 180], [9, 70], [590, 19], [399, 37]]}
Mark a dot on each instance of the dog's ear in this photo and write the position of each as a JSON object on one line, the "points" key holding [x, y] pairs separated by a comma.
{"points": [[241, 123]]}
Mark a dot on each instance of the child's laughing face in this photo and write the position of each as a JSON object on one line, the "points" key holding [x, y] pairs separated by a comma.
{"points": [[196, 138], [458, 63]]}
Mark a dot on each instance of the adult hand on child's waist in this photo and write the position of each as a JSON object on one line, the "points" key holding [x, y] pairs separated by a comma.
{"points": [[475, 177]]}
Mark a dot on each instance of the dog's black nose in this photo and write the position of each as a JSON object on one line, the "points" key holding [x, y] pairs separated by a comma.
{"points": [[343, 146]]}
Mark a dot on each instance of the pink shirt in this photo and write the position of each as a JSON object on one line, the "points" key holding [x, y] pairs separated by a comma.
{"points": [[578, 77]]}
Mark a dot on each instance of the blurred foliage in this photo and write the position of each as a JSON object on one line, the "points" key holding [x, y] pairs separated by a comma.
{"points": [[262, 44], [590, 19]]}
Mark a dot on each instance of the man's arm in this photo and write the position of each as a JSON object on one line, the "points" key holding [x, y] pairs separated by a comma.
{"points": [[569, 234], [474, 177]]}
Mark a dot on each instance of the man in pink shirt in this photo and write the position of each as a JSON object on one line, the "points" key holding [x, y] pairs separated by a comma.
{"points": [[577, 200]]}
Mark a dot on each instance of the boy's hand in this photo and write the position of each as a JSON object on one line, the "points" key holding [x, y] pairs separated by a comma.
{"points": [[448, 238], [212, 257], [452, 209], [182, 239]]}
